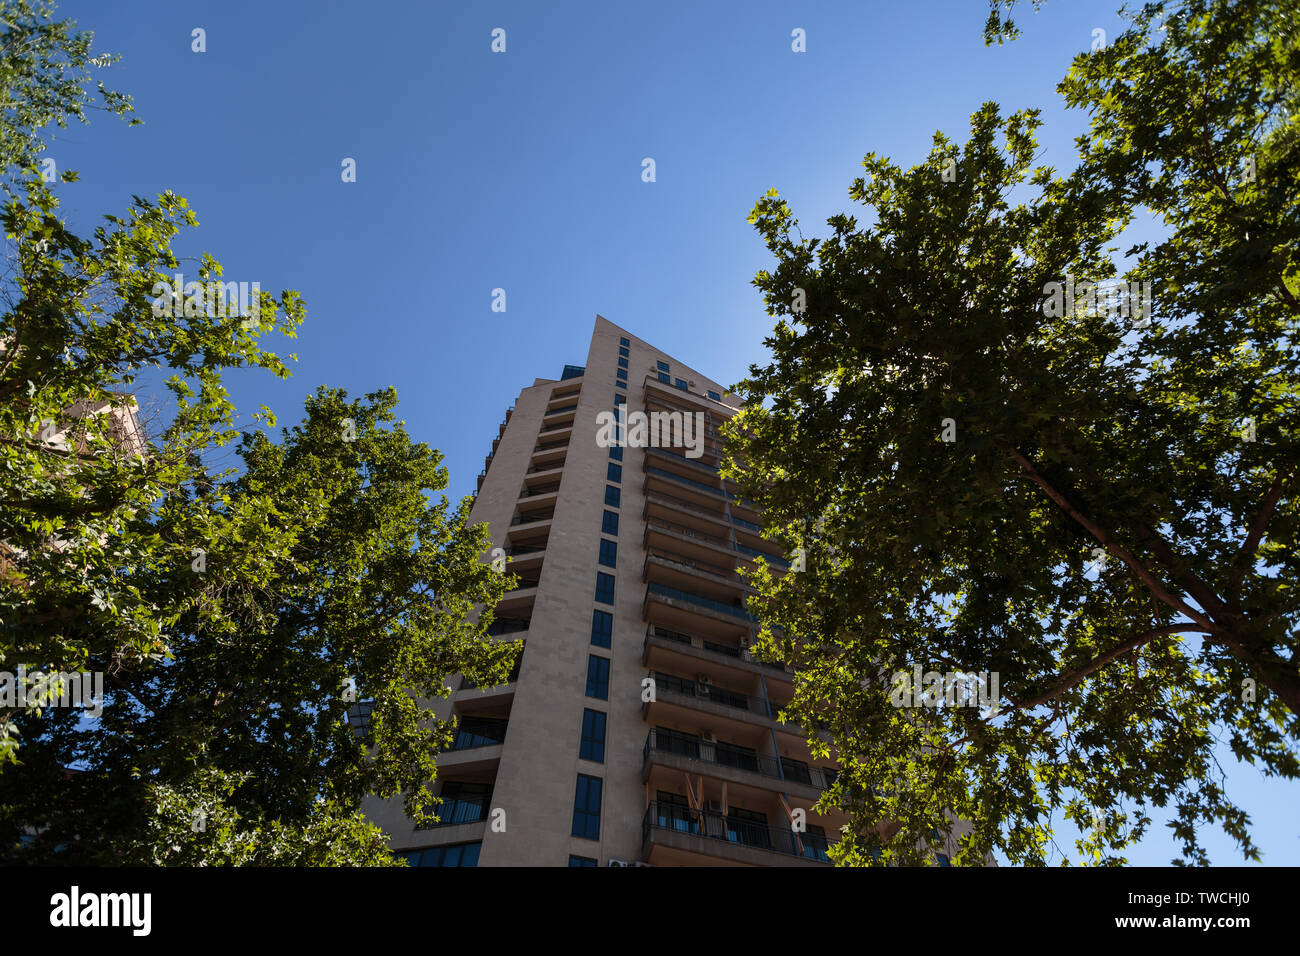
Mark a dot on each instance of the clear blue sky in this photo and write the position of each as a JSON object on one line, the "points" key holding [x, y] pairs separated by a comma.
{"points": [[522, 171]]}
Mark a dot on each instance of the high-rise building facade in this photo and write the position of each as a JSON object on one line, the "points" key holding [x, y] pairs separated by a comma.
{"points": [[638, 728]]}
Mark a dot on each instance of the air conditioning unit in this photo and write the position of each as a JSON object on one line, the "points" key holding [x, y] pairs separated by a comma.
{"points": [[614, 862], [639, 863], [708, 738], [713, 806]]}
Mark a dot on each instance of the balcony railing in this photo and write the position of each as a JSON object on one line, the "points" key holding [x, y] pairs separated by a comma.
{"points": [[699, 600], [722, 754], [559, 411], [660, 473], [714, 825], [548, 466], [683, 460], [522, 549], [508, 625], [684, 561], [686, 532], [716, 695], [540, 490], [531, 519], [769, 558]]}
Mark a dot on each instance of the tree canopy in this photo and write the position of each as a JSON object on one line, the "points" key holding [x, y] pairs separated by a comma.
{"points": [[996, 458]]}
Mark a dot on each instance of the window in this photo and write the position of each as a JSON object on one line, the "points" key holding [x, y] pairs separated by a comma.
{"points": [[602, 628], [663, 367], [622, 363], [665, 378], [620, 384], [619, 400], [616, 452], [624, 342], [614, 472], [474, 732], [581, 861], [464, 802], [598, 677], [748, 827], [612, 495], [681, 383], [604, 588], [610, 524], [622, 350], [586, 808], [461, 854], [942, 859], [622, 373], [593, 736], [814, 844], [608, 553], [715, 396]]}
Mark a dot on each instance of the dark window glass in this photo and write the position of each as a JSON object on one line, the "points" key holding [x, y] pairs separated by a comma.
{"points": [[611, 496], [616, 452], [676, 742], [748, 827], [942, 859], [614, 472], [581, 861], [663, 366], [464, 802], [814, 844], [586, 808], [734, 755], [622, 373], [665, 378], [602, 628], [624, 342], [610, 524], [598, 677], [681, 383], [620, 384], [622, 363], [474, 732], [593, 736], [619, 400], [715, 396], [604, 588], [622, 350], [462, 854], [608, 553]]}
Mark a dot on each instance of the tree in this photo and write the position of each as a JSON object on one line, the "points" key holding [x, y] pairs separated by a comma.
{"points": [[328, 577], [1093, 499]]}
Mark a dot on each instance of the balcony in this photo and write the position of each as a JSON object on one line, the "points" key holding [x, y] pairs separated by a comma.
{"points": [[532, 518], [665, 647], [508, 625], [696, 601], [678, 833], [719, 759], [532, 491]]}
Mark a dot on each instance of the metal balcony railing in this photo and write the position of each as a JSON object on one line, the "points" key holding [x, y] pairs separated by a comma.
{"points": [[722, 754], [560, 411], [686, 532], [694, 565], [729, 828], [531, 519], [699, 600], [660, 473], [710, 692], [540, 490], [548, 466]]}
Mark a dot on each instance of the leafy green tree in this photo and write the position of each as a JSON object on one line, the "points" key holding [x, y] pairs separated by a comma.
{"points": [[1098, 507], [328, 578], [45, 69]]}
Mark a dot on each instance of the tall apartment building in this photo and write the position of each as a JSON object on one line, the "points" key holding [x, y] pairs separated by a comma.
{"points": [[627, 560]]}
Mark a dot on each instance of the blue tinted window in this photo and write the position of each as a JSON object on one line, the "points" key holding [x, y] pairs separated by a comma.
{"points": [[581, 861], [593, 736], [614, 472], [665, 378], [462, 854], [602, 628], [608, 553], [624, 342], [681, 383], [622, 373], [622, 350], [598, 677], [622, 363], [715, 396], [586, 808], [604, 588], [616, 452], [663, 366], [611, 496], [610, 524]]}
